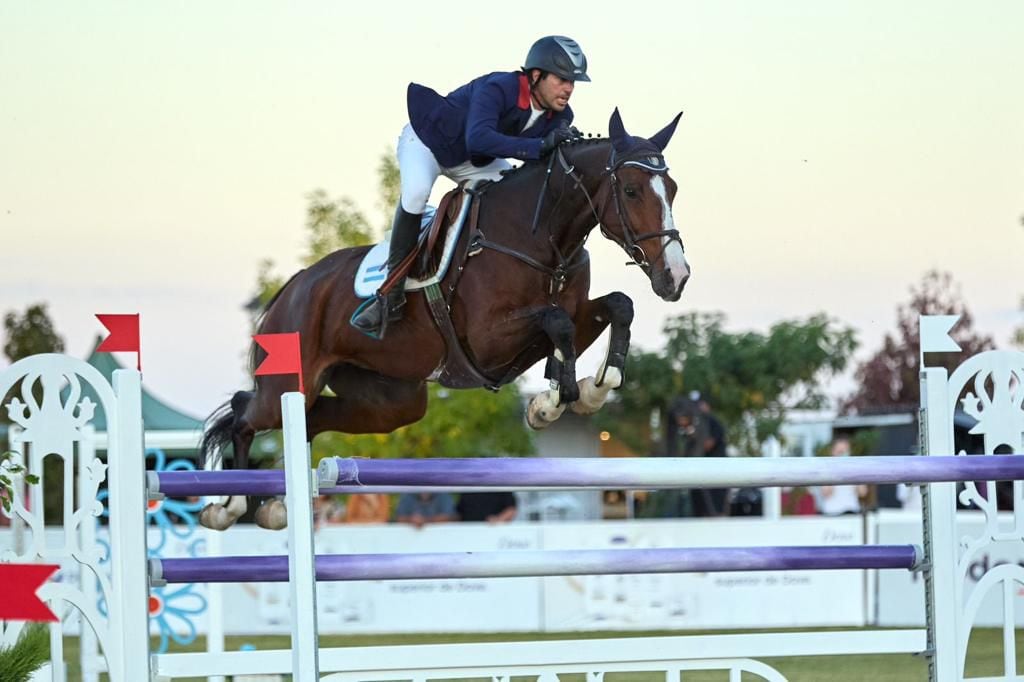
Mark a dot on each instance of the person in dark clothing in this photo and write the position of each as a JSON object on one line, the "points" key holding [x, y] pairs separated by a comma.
{"points": [[711, 501], [493, 507], [693, 431], [422, 508]]}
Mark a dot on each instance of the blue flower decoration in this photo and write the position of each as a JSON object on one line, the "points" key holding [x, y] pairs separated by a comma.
{"points": [[172, 608]]}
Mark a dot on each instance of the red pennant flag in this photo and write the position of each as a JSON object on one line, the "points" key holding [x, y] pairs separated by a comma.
{"points": [[21, 581], [124, 335], [283, 355]]}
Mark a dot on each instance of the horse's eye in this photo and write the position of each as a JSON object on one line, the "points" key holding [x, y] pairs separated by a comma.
{"points": [[630, 191]]}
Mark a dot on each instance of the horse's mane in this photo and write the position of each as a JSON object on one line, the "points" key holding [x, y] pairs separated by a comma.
{"points": [[537, 167]]}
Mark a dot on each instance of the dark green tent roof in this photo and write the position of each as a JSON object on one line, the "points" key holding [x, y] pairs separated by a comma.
{"points": [[156, 414]]}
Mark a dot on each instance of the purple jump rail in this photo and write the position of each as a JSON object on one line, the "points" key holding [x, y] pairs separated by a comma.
{"points": [[345, 475], [331, 567]]}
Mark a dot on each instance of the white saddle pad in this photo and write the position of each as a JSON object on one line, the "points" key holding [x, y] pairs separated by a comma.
{"points": [[373, 270]]}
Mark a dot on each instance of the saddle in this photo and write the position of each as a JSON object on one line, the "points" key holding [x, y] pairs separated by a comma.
{"points": [[458, 211], [428, 262]]}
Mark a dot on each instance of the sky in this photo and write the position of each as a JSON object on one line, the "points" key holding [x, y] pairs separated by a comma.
{"points": [[830, 153]]}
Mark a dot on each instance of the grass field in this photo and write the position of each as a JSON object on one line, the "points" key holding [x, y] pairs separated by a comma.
{"points": [[984, 657]]}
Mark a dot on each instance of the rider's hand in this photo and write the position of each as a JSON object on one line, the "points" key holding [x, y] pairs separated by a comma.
{"points": [[553, 139]]}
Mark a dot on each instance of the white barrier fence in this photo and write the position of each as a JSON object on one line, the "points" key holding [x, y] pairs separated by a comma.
{"points": [[988, 386]]}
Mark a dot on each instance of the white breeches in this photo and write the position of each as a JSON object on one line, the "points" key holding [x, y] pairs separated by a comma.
{"points": [[419, 170]]}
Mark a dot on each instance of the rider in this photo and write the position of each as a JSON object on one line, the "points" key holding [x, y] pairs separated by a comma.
{"points": [[467, 135]]}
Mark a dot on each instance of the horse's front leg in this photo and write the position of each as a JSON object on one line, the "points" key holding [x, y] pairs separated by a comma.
{"points": [[615, 309], [546, 407]]}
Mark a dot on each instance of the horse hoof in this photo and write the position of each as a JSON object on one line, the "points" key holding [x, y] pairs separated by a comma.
{"points": [[593, 396], [612, 378], [272, 515], [544, 410], [216, 517]]}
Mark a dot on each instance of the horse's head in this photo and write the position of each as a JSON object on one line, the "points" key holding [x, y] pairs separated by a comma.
{"points": [[641, 191]]}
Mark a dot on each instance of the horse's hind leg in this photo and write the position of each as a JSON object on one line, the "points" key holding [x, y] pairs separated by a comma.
{"points": [[366, 402], [615, 309], [251, 412]]}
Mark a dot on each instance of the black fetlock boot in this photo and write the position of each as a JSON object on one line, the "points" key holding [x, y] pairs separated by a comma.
{"points": [[373, 318]]}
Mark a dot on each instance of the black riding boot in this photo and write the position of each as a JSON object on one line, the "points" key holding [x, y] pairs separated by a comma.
{"points": [[404, 234]]}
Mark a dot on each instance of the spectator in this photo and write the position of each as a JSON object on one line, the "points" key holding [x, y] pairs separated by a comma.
{"points": [[420, 509], [835, 500], [368, 508], [327, 509], [798, 501], [492, 507], [694, 431], [710, 501]]}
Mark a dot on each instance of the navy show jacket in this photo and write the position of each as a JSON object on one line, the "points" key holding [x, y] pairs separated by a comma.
{"points": [[481, 121]]}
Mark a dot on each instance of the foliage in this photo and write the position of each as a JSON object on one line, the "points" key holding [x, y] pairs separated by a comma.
{"points": [[888, 380], [637, 412], [7, 469], [468, 423], [750, 379], [389, 185], [267, 284], [27, 655], [30, 334], [331, 224]]}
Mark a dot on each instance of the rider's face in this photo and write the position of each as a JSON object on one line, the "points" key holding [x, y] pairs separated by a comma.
{"points": [[553, 92]]}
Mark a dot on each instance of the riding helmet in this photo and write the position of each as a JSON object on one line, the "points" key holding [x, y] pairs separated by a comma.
{"points": [[558, 55]]}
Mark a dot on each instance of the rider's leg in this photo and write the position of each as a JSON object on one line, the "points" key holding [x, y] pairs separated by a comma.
{"points": [[418, 170]]}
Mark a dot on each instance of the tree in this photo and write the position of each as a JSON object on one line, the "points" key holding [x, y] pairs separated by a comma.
{"points": [[639, 407], [30, 334], [390, 186], [888, 380], [749, 378], [464, 423], [332, 224]]}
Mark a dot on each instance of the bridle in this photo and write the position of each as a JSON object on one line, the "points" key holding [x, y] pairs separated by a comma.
{"points": [[647, 158], [652, 161]]}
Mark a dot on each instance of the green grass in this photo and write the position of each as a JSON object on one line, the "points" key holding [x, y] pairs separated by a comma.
{"points": [[984, 656]]}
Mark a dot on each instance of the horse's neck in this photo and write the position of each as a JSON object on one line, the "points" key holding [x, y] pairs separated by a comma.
{"points": [[565, 213], [579, 195]]}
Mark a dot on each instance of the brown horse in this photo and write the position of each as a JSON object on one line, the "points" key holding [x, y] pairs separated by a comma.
{"points": [[517, 293]]}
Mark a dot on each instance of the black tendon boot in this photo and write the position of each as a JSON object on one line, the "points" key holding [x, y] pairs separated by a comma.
{"points": [[373, 319]]}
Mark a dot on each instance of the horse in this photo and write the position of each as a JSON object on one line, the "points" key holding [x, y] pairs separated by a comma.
{"points": [[518, 294]]}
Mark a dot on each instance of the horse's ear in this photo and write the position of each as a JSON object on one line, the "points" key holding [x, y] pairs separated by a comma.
{"points": [[661, 138], [617, 132]]}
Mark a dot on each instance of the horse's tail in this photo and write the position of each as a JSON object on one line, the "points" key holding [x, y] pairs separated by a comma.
{"points": [[218, 434], [255, 351]]}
